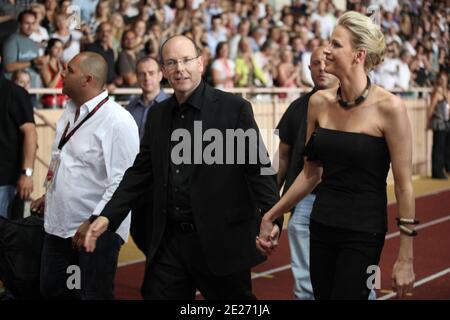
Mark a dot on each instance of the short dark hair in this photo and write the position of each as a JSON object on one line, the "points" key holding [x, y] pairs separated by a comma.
{"points": [[219, 47], [268, 44], [24, 13], [198, 51], [146, 59], [216, 17], [51, 43], [125, 33]]}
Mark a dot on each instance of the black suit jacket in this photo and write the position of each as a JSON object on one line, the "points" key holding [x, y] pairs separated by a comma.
{"points": [[227, 200]]}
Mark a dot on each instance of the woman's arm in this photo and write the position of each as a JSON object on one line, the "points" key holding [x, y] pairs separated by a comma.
{"points": [[305, 182], [397, 131], [49, 81]]}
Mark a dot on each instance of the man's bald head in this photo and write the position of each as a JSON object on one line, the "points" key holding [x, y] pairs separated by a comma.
{"points": [[178, 39], [94, 65], [317, 53], [322, 80]]}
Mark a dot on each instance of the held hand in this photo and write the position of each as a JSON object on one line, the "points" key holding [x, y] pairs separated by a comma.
{"points": [[403, 278], [37, 206], [80, 236], [267, 241], [25, 187], [95, 230]]}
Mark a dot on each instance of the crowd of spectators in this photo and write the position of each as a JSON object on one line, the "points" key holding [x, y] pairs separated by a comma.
{"points": [[245, 43]]}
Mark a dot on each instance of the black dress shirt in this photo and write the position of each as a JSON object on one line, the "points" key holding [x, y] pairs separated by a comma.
{"points": [[183, 117]]}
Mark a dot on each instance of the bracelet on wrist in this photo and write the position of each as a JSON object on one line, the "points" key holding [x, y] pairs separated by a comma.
{"points": [[403, 221], [402, 224]]}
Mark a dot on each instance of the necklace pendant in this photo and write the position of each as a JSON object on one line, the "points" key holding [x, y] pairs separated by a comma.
{"points": [[357, 101]]}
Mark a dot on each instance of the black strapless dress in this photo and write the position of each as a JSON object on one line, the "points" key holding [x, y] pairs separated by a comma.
{"points": [[352, 193]]}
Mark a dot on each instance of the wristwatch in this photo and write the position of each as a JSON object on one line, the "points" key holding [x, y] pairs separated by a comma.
{"points": [[28, 172]]}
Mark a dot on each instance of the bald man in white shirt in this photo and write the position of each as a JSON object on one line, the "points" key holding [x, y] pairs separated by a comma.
{"points": [[96, 141]]}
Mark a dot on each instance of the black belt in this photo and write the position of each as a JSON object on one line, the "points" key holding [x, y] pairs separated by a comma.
{"points": [[184, 227]]}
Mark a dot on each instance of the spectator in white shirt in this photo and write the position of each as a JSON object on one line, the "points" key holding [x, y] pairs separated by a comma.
{"points": [[223, 73], [243, 31], [127, 11], [90, 165], [40, 34], [326, 19], [404, 74], [70, 38], [87, 8], [389, 5], [217, 33]]}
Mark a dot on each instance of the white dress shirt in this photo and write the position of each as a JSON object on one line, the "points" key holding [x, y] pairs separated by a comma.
{"points": [[92, 165]]}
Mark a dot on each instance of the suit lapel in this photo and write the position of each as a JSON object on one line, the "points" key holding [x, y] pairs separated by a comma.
{"points": [[209, 107], [164, 139], [208, 116]]}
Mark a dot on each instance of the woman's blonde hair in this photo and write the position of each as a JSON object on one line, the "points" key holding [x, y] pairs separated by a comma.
{"points": [[365, 35]]}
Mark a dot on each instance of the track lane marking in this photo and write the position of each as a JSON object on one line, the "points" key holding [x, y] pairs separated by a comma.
{"points": [[388, 236], [419, 283]]}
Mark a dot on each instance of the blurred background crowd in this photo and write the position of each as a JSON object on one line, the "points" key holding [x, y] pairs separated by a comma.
{"points": [[245, 43]]}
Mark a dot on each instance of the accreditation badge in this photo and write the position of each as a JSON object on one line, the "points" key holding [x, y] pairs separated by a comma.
{"points": [[52, 169]]}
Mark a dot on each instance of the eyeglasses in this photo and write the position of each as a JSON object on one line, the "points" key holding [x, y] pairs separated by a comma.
{"points": [[171, 64]]}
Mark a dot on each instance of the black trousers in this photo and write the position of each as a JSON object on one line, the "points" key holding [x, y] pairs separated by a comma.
{"points": [[339, 262], [440, 155], [179, 268], [97, 269]]}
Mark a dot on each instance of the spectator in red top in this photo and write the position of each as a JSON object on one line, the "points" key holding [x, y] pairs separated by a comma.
{"points": [[51, 74]]}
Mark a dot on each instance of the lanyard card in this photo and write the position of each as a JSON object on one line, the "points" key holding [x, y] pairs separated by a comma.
{"points": [[52, 169]]}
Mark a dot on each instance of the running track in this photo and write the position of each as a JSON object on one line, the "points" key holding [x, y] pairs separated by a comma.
{"points": [[273, 280]]}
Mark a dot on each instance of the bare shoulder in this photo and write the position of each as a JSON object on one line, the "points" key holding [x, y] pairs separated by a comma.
{"points": [[389, 104], [321, 99]]}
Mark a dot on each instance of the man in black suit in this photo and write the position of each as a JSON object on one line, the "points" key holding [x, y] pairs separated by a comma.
{"points": [[206, 210]]}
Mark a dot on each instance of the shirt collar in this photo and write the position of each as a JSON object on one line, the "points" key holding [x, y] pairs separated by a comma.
{"points": [[196, 98], [90, 104], [160, 97]]}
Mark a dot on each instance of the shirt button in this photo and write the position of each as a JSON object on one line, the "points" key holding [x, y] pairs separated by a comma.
{"points": [[177, 171], [182, 116], [177, 208]]}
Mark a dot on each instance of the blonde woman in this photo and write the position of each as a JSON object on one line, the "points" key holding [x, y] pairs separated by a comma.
{"points": [[354, 134], [247, 70], [102, 14], [118, 26]]}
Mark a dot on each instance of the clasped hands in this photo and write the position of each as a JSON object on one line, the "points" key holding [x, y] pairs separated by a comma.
{"points": [[267, 241], [88, 233]]}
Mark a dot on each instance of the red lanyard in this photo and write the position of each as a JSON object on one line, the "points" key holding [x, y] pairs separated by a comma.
{"points": [[66, 137]]}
